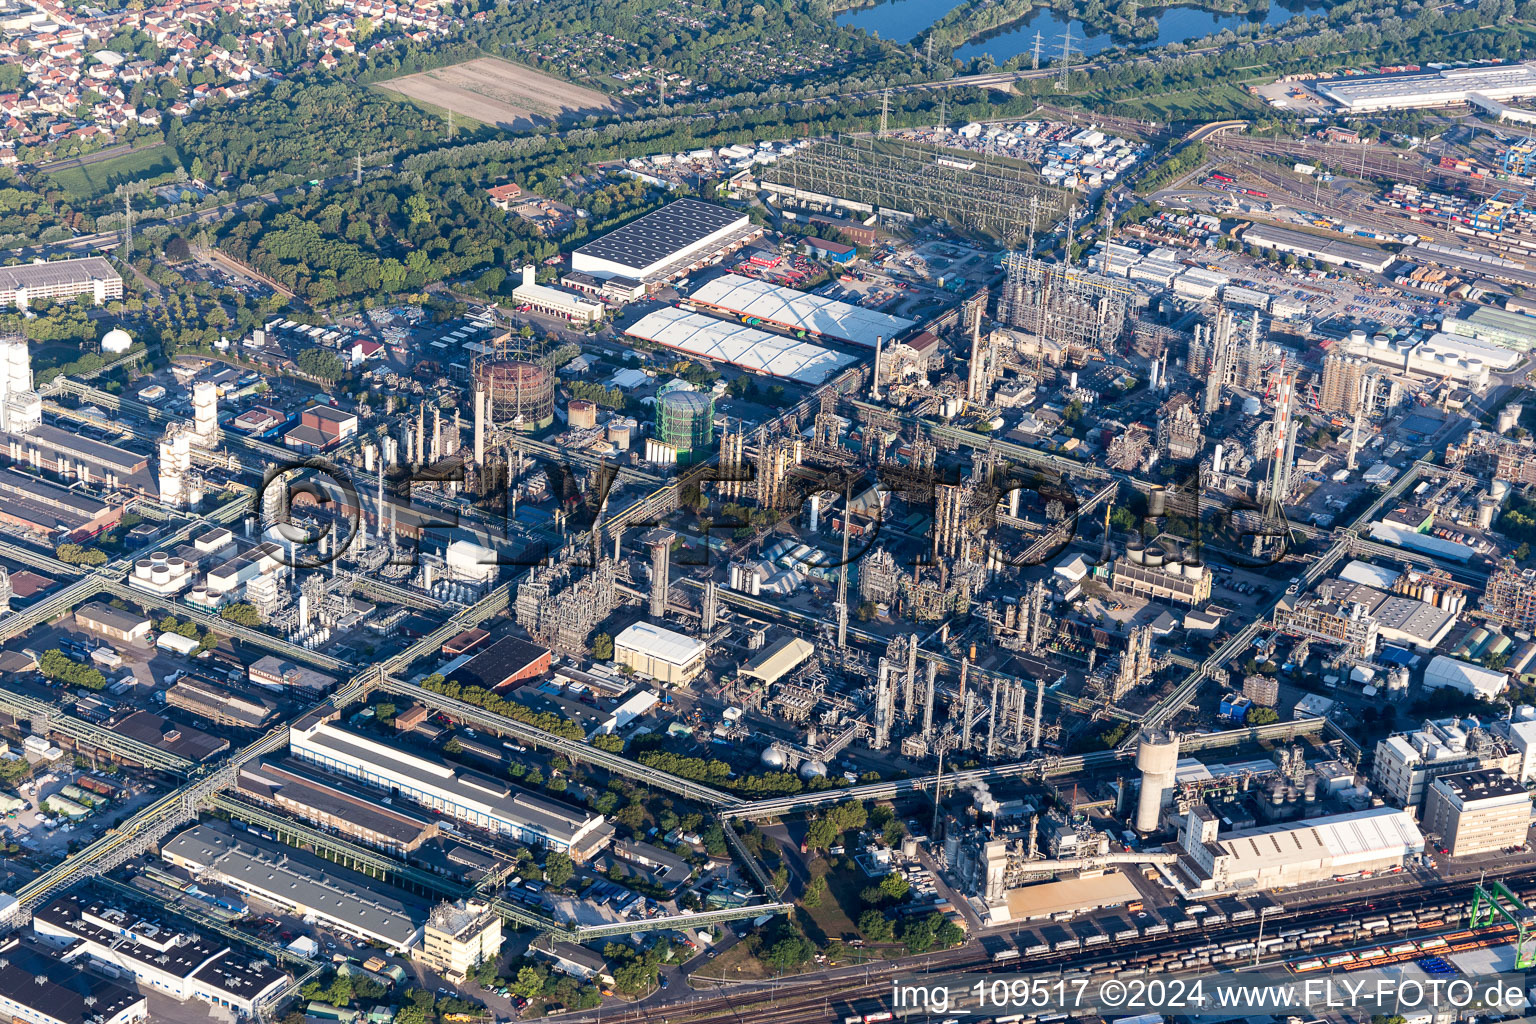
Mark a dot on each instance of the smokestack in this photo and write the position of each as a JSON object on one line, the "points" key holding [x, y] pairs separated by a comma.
{"points": [[874, 387], [479, 424]]}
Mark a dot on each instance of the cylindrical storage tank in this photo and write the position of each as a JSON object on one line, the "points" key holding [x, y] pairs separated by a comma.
{"points": [[517, 393], [1157, 758], [1358, 337], [178, 565], [685, 420], [1136, 552], [141, 568], [1499, 490], [1155, 556], [620, 435], [1194, 568], [1157, 500], [1509, 417], [581, 414], [160, 574], [1486, 507], [1174, 567]]}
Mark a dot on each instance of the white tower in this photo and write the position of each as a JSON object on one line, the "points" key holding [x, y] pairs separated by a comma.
{"points": [[175, 468], [205, 413], [20, 407]]}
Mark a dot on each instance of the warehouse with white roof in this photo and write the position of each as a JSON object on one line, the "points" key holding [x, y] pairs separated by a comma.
{"points": [[1475, 680], [1296, 853], [1430, 88], [664, 655], [800, 311], [723, 341]]}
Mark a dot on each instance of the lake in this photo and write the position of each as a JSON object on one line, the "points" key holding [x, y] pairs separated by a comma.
{"points": [[903, 19]]}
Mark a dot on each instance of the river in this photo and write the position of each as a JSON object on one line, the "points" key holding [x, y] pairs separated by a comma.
{"points": [[904, 19]]}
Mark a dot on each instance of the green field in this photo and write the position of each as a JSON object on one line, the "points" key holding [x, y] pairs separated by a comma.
{"points": [[92, 180]]}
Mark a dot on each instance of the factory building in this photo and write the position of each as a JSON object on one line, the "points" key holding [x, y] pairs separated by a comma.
{"points": [[458, 937], [70, 456], [1152, 573], [680, 237], [296, 882], [321, 427], [1509, 599], [1474, 812], [159, 955], [554, 302], [791, 310], [1496, 326], [276, 674], [90, 276], [832, 252], [1484, 683], [1296, 853], [1430, 88], [1324, 250], [503, 665], [1357, 617], [721, 341], [217, 703], [351, 811], [1406, 763], [59, 513], [455, 792], [35, 988], [664, 655], [104, 620]]}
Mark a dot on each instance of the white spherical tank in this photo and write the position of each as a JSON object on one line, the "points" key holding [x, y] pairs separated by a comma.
{"points": [[774, 758], [116, 341], [813, 769]]}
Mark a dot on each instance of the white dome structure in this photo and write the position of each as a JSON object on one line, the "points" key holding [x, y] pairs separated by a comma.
{"points": [[116, 341]]}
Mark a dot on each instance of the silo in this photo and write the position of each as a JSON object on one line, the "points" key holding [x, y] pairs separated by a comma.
{"points": [[581, 414], [1509, 417], [1487, 507], [685, 421], [1157, 758]]}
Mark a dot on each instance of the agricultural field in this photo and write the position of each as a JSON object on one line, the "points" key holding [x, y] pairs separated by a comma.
{"points": [[499, 93]]}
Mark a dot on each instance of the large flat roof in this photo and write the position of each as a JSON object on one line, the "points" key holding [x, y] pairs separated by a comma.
{"points": [[747, 347], [256, 866], [800, 311], [35, 978], [643, 243], [1069, 895], [1339, 840], [659, 642], [58, 272], [511, 803], [1434, 86], [1328, 249]]}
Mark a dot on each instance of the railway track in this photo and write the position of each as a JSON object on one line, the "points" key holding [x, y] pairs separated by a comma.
{"points": [[816, 997]]}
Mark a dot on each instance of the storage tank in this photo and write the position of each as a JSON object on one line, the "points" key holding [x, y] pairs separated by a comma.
{"points": [[1509, 417], [1251, 406], [774, 758], [1194, 568], [621, 433], [685, 420], [1157, 758], [581, 414], [813, 769], [517, 393], [1486, 508], [1157, 500], [1155, 556], [1136, 552]]}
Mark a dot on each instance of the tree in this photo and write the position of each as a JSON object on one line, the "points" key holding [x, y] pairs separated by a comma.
{"points": [[241, 614], [528, 984], [602, 647], [1262, 716], [815, 892], [322, 364], [558, 869], [74, 554], [894, 887], [874, 926]]}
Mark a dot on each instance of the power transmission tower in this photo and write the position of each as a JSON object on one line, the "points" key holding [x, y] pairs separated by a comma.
{"points": [[1066, 59], [127, 191], [1037, 51], [885, 113], [943, 110]]}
